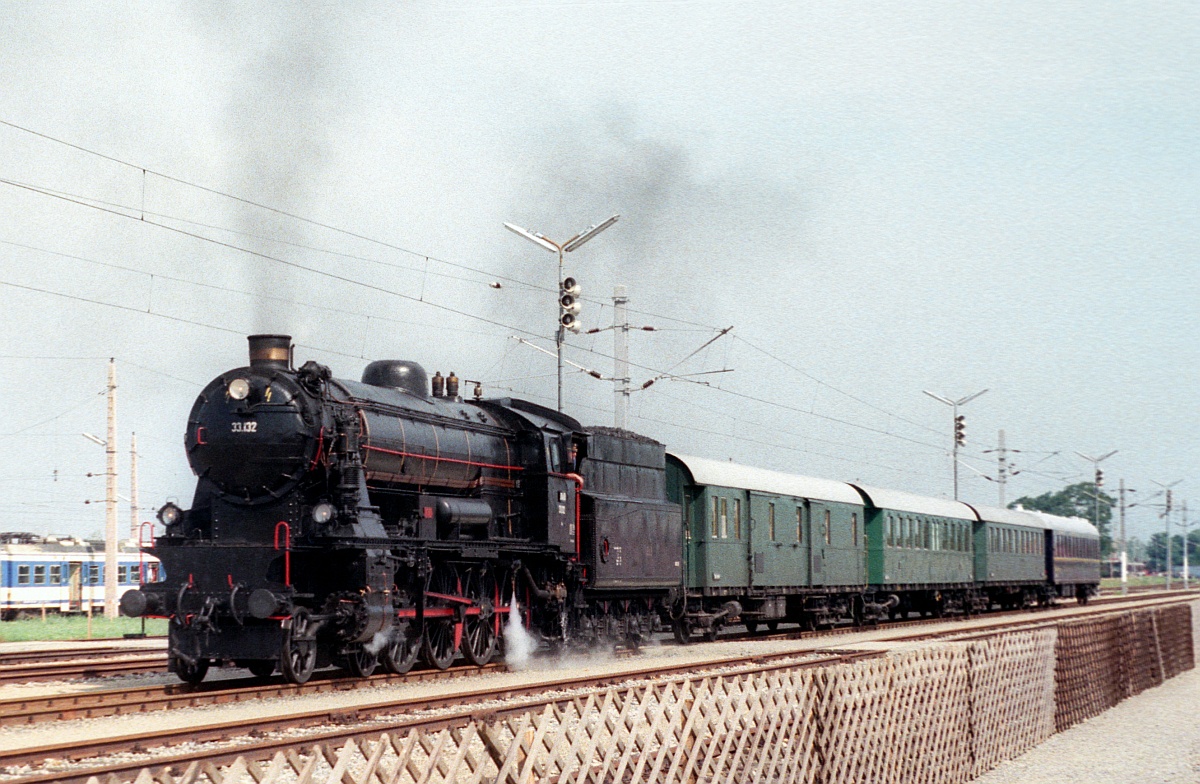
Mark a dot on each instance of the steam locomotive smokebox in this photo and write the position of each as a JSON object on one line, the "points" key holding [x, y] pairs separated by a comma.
{"points": [[633, 537]]}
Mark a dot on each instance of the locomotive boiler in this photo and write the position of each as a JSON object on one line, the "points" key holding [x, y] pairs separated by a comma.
{"points": [[373, 522]]}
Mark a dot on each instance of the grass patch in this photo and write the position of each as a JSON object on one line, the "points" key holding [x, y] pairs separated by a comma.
{"points": [[1144, 581], [75, 627]]}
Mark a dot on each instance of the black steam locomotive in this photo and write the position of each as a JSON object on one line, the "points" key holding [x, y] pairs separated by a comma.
{"points": [[369, 523]]}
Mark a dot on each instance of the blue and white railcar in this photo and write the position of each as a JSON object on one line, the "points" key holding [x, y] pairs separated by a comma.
{"points": [[63, 574]]}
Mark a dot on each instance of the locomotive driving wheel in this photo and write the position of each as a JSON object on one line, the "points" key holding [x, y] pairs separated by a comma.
{"points": [[401, 653], [481, 630], [298, 656], [360, 662], [439, 643]]}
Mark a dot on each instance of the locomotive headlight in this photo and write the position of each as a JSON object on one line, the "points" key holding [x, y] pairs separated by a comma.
{"points": [[239, 388], [170, 514], [322, 513]]}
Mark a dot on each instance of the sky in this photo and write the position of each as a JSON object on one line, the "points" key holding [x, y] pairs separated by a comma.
{"points": [[878, 198]]}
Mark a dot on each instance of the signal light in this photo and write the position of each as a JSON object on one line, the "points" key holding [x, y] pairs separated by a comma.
{"points": [[569, 305], [1099, 478], [960, 430]]}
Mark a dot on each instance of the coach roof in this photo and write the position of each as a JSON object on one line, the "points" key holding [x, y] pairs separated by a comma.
{"points": [[718, 473], [900, 501], [996, 514], [1066, 525]]}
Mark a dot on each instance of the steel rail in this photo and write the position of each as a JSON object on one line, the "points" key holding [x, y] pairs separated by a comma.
{"points": [[145, 699], [133, 662]]}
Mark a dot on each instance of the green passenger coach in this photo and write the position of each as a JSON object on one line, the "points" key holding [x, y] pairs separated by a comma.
{"points": [[920, 553], [763, 547], [1010, 557]]}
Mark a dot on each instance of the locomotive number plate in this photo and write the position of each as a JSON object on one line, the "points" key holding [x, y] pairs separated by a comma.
{"points": [[244, 427]]}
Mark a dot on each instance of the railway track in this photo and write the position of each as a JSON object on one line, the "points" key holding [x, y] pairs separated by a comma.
{"points": [[129, 663], [68, 652], [147, 699], [250, 738], [108, 661]]}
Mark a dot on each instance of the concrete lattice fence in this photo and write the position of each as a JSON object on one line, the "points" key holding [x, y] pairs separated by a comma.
{"points": [[1105, 660], [934, 712]]}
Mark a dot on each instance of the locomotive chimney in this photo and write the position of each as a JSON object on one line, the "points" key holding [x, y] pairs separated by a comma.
{"points": [[439, 383], [270, 351], [452, 385]]}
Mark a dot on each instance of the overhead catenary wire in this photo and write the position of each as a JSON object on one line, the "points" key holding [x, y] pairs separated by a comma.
{"points": [[275, 210], [140, 213], [427, 257]]}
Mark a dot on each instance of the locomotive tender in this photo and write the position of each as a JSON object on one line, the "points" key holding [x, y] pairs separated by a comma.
{"points": [[371, 523]]}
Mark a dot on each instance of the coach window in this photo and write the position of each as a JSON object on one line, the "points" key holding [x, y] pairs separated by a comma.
{"points": [[39, 574], [56, 574], [854, 527], [737, 518], [716, 527], [122, 574], [724, 518], [925, 533], [771, 520], [799, 525], [23, 574], [828, 530]]}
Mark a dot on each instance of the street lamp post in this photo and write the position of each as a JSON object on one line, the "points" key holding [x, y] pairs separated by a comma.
{"points": [[959, 431], [110, 495], [1097, 483], [1166, 488], [561, 248]]}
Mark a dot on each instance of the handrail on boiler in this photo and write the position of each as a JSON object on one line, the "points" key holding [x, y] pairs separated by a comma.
{"points": [[287, 550]]}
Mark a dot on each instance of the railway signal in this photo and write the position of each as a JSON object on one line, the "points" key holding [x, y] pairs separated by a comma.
{"points": [[569, 304], [543, 241], [960, 428]]}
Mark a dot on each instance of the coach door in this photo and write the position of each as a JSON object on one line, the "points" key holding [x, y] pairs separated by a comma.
{"points": [[819, 532], [75, 586]]}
